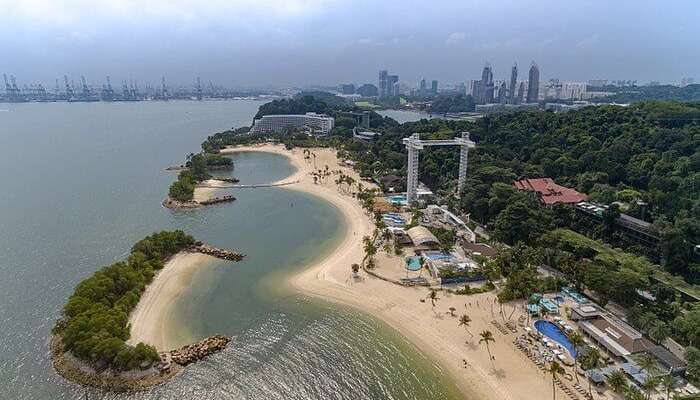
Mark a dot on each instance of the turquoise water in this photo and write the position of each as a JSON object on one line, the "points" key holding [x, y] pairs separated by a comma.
{"points": [[82, 182], [413, 263], [553, 332]]}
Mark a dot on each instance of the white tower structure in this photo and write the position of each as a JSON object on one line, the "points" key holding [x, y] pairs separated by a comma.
{"points": [[414, 145]]}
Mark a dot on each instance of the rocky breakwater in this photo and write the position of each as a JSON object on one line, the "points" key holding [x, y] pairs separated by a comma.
{"points": [[192, 353], [215, 200], [177, 204], [216, 252], [227, 180]]}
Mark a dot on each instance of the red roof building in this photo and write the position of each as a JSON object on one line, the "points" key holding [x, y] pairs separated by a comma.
{"points": [[549, 192]]}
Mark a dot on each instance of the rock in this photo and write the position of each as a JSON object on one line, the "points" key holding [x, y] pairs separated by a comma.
{"points": [[192, 353]]}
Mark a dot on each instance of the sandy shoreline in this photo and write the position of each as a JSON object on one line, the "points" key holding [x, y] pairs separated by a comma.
{"points": [[150, 317], [432, 330]]}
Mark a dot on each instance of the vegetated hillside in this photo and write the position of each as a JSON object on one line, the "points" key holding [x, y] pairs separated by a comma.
{"points": [[632, 94]]}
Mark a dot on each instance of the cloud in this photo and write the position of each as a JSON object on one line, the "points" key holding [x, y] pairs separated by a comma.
{"points": [[66, 12], [456, 38]]}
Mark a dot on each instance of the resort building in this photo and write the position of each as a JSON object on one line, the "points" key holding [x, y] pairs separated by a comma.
{"points": [[549, 192], [480, 249], [422, 237], [621, 340], [279, 123], [365, 136]]}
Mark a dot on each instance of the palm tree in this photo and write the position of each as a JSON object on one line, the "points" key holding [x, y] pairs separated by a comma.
{"points": [[649, 385], [617, 381], [576, 339], [433, 297], [464, 321], [668, 382], [645, 362], [544, 312], [591, 360], [486, 337], [632, 393], [555, 369], [421, 261]]}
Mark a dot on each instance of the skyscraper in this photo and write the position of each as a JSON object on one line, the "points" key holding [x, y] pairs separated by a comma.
{"points": [[434, 86], [521, 93], [383, 84], [484, 88], [502, 93], [533, 84], [423, 86], [513, 82], [392, 85]]}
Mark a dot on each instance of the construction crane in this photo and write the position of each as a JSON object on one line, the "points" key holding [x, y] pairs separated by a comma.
{"points": [[107, 91], [69, 89], [163, 89]]}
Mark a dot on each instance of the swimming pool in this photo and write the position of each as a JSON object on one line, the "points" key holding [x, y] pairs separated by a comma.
{"points": [[553, 332], [438, 255], [398, 200], [413, 263]]}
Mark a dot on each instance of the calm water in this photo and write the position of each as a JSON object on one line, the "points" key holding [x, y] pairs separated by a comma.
{"points": [[82, 182], [406, 115]]}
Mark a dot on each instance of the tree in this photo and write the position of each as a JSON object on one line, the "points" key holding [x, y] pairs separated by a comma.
{"points": [[355, 268], [646, 362], [576, 339], [464, 321], [649, 385], [432, 295], [617, 381], [555, 369], [486, 337], [590, 361], [668, 382]]}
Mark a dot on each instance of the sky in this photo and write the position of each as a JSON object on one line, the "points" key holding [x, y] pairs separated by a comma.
{"points": [[282, 43]]}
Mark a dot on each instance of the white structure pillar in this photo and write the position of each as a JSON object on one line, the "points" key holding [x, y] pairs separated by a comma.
{"points": [[414, 144], [464, 146], [412, 168]]}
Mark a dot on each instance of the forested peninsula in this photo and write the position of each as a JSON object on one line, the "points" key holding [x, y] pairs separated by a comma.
{"points": [[89, 344]]}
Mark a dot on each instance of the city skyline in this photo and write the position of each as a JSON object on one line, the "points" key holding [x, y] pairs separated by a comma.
{"points": [[316, 42]]}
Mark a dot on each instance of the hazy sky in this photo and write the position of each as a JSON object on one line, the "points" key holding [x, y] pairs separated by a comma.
{"points": [[301, 42]]}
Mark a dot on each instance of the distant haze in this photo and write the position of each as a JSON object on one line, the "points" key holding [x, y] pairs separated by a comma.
{"points": [[248, 43]]}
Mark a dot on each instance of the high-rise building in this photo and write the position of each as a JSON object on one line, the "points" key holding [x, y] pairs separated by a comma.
{"points": [[392, 86], [533, 85], [521, 93], [383, 83], [434, 86], [483, 89], [513, 82], [422, 86], [503, 93], [388, 84]]}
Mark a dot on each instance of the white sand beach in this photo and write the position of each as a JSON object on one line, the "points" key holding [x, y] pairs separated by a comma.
{"points": [[150, 317], [432, 330]]}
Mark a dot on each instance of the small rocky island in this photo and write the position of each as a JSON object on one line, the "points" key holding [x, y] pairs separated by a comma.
{"points": [[192, 174], [89, 342]]}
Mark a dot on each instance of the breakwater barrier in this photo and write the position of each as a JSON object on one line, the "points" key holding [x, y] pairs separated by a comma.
{"points": [[216, 252]]}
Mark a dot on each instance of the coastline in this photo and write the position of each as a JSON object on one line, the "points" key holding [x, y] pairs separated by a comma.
{"points": [[432, 331], [148, 320]]}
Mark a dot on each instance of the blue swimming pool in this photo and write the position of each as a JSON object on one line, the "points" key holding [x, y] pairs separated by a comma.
{"points": [[438, 255], [399, 200], [413, 263], [553, 332]]}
